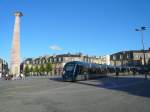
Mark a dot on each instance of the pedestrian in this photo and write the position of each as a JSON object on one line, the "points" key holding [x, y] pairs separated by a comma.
{"points": [[6, 77], [117, 73], [134, 72], [21, 76]]}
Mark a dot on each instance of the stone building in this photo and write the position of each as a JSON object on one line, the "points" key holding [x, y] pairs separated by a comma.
{"points": [[58, 61], [130, 58], [3, 68], [105, 59]]}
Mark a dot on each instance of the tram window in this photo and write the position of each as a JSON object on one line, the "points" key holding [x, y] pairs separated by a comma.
{"points": [[80, 69], [69, 67]]}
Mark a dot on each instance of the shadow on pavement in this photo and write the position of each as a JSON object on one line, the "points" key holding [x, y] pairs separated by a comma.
{"points": [[56, 79], [133, 85]]}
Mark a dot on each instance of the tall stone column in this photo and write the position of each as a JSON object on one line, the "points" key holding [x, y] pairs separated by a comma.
{"points": [[15, 52]]}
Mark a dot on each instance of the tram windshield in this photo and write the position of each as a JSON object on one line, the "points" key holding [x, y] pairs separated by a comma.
{"points": [[69, 67]]}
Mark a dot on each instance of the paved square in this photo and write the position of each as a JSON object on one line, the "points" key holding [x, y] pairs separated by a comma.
{"points": [[125, 94]]}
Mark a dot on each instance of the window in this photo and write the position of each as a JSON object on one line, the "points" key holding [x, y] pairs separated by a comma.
{"points": [[43, 61], [59, 59], [136, 56], [55, 59], [50, 60], [62, 59], [121, 56], [128, 56], [69, 67], [37, 62], [114, 57]]}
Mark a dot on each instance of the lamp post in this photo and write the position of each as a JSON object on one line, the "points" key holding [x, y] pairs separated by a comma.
{"points": [[141, 29]]}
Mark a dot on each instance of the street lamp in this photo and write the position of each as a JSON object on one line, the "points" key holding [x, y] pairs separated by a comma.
{"points": [[141, 29]]}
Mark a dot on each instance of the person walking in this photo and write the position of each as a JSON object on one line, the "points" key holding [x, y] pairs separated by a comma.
{"points": [[117, 73]]}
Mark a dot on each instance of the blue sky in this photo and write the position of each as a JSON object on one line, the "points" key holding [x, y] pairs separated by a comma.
{"points": [[94, 27]]}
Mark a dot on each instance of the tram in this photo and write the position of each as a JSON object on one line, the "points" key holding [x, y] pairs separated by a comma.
{"points": [[77, 70]]}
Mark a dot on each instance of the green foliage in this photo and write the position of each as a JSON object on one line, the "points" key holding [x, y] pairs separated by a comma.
{"points": [[36, 69], [42, 69], [48, 67], [26, 70], [31, 69]]}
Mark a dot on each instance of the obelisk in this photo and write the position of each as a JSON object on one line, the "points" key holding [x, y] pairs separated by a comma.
{"points": [[15, 51]]}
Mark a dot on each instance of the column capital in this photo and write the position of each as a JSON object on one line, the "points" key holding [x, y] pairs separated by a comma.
{"points": [[18, 13]]}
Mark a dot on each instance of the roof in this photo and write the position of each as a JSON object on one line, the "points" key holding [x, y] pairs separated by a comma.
{"points": [[132, 51]]}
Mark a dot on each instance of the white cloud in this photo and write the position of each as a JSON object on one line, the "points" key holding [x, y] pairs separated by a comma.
{"points": [[55, 47]]}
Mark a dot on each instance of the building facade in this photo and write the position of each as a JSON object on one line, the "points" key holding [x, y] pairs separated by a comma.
{"points": [[3, 68], [105, 59], [130, 58], [58, 61]]}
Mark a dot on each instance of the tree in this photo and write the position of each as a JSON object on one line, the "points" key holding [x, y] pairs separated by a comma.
{"points": [[26, 70], [48, 67], [42, 69], [31, 70], [36, 70]]}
